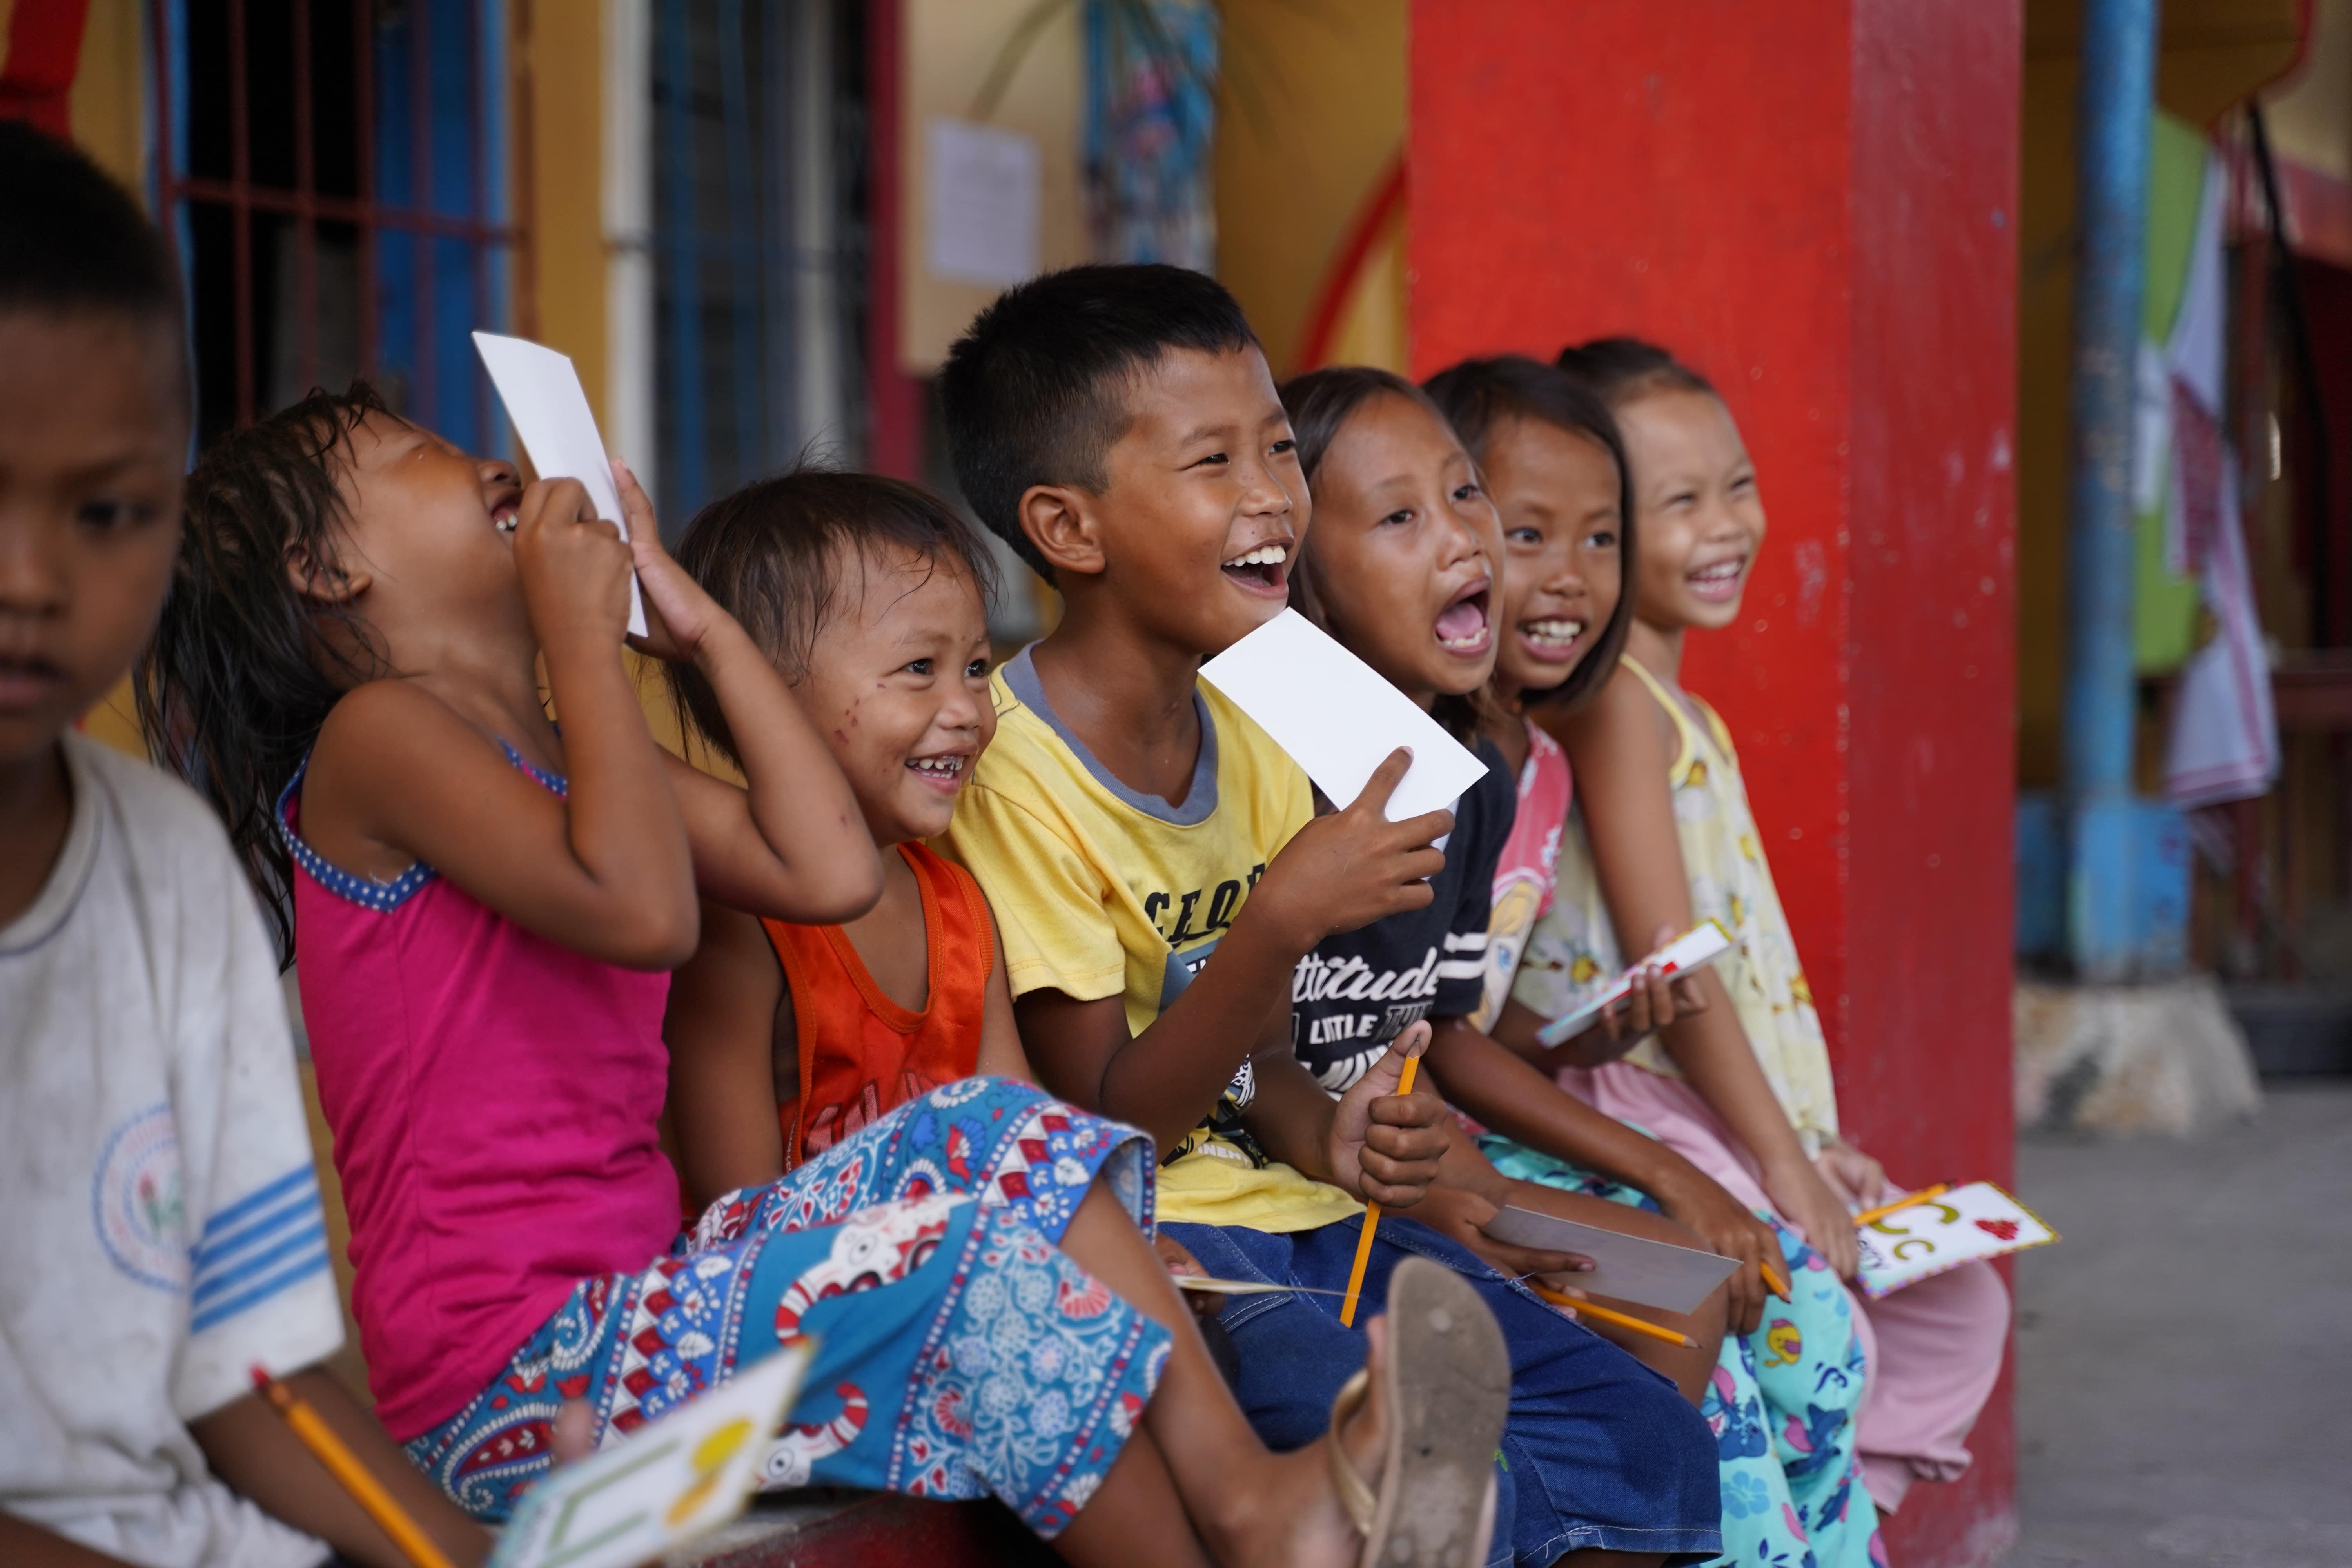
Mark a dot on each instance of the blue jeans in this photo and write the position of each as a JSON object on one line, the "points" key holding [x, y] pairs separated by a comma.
{"points": [[1599, 1451]]}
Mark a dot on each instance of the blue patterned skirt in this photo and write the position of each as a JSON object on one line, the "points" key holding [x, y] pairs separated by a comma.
{"points": [[960, 1353]]}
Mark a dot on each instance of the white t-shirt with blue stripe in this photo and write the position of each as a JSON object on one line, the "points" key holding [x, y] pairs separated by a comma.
{"points": [[160, 1224]]}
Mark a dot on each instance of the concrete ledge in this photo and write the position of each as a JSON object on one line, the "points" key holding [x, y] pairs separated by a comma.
{"points": [[2162, 1057], [841, 1529]]}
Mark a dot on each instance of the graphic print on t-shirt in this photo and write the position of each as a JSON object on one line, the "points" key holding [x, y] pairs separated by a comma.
{"points": [[1359, 990]]}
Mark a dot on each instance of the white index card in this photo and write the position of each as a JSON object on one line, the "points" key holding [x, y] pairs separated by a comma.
{"points": [[983, 192], [1628, 1267], [1338, 717], [552, 419], [676, 1477]]}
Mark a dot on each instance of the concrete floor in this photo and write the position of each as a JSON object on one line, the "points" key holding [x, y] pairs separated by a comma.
{"points": [[2185, 1354]]}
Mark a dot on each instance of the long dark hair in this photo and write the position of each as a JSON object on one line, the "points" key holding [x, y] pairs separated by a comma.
{"points": [[239, 678], [1480, 396], [1320, 404], [772, 554]]}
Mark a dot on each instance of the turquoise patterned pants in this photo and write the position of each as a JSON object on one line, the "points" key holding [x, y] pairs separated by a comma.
{"points": [[1782, 1403]]}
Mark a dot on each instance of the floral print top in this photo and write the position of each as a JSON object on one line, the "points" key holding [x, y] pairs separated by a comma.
{"points": [[1573, 951]]}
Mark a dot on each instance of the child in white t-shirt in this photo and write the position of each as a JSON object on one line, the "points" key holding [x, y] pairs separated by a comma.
{"points": [[161, 1232]]}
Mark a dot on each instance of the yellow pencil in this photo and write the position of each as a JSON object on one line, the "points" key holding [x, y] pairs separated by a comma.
{"points": [[1372, 1222], [1623, 1319], [353, 1477], [1773, 1282], [1921, 1197]]}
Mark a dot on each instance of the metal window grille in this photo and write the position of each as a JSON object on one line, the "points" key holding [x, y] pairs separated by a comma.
{"points": [[332, 174], [758, 239]]}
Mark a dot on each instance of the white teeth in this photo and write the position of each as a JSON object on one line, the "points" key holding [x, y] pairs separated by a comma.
{"points": [[1264, 555], [1554, 630], [1722, 572], [938, 767], [1474, 640]]}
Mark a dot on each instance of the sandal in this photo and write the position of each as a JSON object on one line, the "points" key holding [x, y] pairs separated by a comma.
{"points": [[1447, 1387]]}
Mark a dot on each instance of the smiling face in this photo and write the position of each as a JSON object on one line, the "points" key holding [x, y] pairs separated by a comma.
{"points": [[898, 683], [1558, 495], [1406, 546], [93, 431], [428, 535], [1702, 519], [1203, 504]]}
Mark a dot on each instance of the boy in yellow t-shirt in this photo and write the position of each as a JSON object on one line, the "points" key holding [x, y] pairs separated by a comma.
{"points": [[1157, 871]]}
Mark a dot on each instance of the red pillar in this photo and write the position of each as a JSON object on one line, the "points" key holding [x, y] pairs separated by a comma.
{"points": [[1813, 200]]}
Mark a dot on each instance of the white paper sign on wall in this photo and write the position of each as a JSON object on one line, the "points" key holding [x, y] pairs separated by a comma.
{"points": [[982, 190]]}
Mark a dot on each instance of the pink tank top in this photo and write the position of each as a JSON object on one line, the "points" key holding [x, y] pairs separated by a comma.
{"points": [[494, 1100]]}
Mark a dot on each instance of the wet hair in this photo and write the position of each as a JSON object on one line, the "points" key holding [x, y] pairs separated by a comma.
{"points": [[1320, 403], [1483, 395], [775, 555], [75, 243], [1621, 369], [240, 675], [1035, 390]]}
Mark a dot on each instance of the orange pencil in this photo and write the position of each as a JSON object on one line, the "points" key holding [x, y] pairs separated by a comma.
{"points": [[1372, 1222], [1623, 1319], [1773, 1282], [1921, 1197], [351, 1474]]}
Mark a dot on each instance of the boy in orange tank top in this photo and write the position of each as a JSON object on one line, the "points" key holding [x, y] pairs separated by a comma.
{"points": [[870, 593]]}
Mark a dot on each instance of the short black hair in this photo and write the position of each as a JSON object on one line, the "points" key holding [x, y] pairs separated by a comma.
{"points": [[1620, 368], [72, 241], [1481, 396], [1031, 394], [772, 554]]}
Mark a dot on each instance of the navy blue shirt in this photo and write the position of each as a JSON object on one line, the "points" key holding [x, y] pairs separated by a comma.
{"points": [[1357, 991]]}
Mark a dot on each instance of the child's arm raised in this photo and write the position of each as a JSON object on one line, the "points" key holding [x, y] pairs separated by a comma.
{"points": [[400, 775], [728, 1012], [1621, 748], [1337, 873], [792, 847]]}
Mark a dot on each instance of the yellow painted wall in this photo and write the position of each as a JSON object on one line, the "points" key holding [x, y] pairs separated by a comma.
{"points": [[1310, 116], [950, 48], [563, 55], [108, 107], [2215, 52]]}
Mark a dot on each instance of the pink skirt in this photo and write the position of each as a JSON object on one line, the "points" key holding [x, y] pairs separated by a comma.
{"points": [[1934, 1349]]}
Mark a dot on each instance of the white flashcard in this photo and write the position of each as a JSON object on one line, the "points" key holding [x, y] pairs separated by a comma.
{"points": [[1626, 1268], [1695, 949], [551, 417], [1924, 1239], [667, 1483], [1338, 719]]}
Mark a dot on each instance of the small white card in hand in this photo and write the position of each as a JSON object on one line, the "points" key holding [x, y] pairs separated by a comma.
{"points": [[1695, 949], [1626, 1268], [1926, 1238], [551, 416], [665, 1484], [1338, 719]]}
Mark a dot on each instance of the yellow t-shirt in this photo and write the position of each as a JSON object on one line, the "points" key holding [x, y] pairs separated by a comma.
{"points": [[1101, 892]]}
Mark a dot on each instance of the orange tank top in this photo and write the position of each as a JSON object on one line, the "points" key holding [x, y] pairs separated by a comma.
{"points": [[861, 1054]]}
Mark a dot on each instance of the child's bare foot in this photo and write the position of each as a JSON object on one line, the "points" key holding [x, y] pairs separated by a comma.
{"points": [[1410, 1484]]}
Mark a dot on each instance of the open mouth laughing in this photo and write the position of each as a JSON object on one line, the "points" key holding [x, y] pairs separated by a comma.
{"points": [[1264, 570], [1718, 582], [943, 772], [1554, 639], [1463, 626]]}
